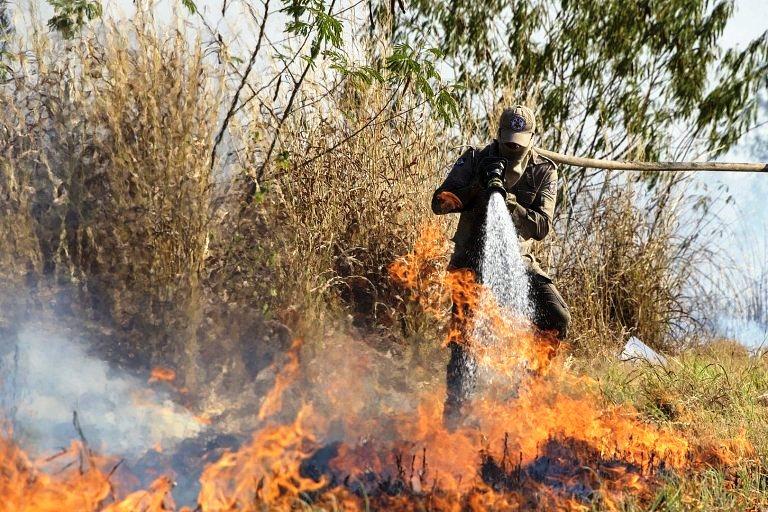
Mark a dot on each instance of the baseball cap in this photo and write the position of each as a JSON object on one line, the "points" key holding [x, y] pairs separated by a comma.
{"points": [[517, 125]]}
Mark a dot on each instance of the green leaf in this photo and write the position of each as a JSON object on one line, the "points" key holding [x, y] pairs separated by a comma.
{"points": [[283, 160], [70, 16], [606, 77], [190, 5]]}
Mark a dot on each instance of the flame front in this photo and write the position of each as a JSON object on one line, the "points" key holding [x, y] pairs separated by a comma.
{"points": [[538, 437], [73, 479]]}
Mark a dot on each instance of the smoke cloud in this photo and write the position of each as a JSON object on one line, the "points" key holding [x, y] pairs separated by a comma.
{"points": [[47, 374]]}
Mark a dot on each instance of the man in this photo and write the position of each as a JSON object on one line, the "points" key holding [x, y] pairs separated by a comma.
{"points": [[530, 183]]}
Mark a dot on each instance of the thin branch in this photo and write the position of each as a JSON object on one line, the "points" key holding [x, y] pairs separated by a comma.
{"points": [[353, 134], [243, 80], [276, 76], [294, 93]]}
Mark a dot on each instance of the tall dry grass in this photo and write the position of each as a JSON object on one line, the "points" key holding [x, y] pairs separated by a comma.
{"points": [[633, 263], [120, 121], [119, 128], [358, 207], [20, 262]]}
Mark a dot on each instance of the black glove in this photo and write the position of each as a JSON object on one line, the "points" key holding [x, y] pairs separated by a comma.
{"points": [[516, 210], [492, 171]]}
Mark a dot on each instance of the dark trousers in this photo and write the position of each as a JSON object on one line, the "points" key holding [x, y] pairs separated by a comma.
{"points": [[550, 314]]}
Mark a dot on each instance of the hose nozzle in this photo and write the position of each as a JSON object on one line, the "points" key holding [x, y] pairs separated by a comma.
{"points": [[493, 175]]}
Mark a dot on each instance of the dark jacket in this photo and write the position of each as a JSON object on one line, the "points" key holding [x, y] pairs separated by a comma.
{"points": [[535, 192]]}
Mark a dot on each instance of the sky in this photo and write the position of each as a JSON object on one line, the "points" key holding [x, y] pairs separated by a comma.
{"points": [[745, 237], [749, 21]]}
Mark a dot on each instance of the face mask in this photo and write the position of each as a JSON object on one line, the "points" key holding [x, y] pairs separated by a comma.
{"points": [[514, 154]]}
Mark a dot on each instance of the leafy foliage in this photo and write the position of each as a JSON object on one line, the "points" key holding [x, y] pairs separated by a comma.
{"points": [[310, 15], [405, 65], [71, 15], [314, 19], [408, 68], [190, 5], [636, 79]]}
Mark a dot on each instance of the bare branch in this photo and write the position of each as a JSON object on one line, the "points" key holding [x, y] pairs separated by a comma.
{"points": [[243, 81]]}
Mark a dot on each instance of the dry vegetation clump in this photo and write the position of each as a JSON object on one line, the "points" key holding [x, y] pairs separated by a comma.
{"points": [[359, 206], [121, 124], [145, 199], [341, 203], [714, 394], [630, 262], [20, 262], [716, 391]]}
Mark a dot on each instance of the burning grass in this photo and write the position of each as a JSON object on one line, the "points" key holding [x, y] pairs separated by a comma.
{"points": [[540, 436], [546, 450], [123, 206]]}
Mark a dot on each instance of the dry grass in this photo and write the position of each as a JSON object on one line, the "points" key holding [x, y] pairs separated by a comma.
{"points": [[143, 204], [334, 215], [20, 262], [123, 206], [716, 396], [121, 124], [630, 262]]}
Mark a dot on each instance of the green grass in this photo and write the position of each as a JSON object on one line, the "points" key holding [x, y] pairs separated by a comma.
{"points": [[710, 395]]}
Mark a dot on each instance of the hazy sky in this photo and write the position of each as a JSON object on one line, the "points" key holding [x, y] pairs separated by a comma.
{"points": [[746, 219], [749, 21]]}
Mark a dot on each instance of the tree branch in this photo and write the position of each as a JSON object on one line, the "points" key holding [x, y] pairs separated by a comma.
{"points": [[294, 93], [243, 81]]}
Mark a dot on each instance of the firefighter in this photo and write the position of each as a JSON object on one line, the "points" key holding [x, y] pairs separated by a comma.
{"points": [[530, 183]]}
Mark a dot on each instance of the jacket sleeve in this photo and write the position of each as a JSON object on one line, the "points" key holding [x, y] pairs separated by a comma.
{"points": [[535, 221], [461, 182]]}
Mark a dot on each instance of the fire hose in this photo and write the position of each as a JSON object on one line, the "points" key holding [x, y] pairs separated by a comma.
{"points": [[630, 165]]}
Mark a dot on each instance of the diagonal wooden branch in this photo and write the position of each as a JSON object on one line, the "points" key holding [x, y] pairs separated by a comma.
{"points": [[243, 81], [354, 134], [253, 186]]}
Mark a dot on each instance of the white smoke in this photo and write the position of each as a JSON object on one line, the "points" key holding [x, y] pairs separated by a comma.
{"points": [[45, 376]]}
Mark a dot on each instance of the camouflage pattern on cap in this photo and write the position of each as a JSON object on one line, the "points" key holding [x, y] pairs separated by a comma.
{"points": [[517, 125]]}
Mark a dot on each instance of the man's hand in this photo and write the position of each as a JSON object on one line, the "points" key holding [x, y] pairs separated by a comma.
{"points": [[516, 210], [495, 185], [448, 202]]}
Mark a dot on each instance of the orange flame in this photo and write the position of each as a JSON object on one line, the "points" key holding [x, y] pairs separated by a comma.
{"points": [[266, 472], [273, 401], [537, 438], [160, 374], [79, 482], [435, 289]]}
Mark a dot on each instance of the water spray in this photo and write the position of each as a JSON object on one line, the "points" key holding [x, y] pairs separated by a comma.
{"points": [[502, 269]]}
